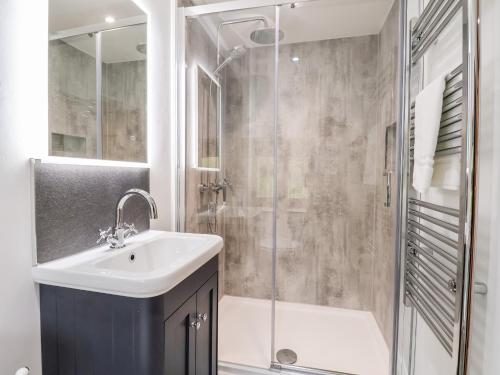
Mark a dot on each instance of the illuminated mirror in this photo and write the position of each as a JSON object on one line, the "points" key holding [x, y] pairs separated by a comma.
{"points": [[97, 80]]}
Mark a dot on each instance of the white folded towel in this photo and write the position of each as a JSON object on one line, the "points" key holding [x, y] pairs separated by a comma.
{"points": [[447, 172], [428, 110]]}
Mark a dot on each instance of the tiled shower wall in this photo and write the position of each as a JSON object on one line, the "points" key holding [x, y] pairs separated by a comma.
{"points": [[72, 103], [327, 139], [385, 224], [201, 51], [335, 236], [124, 111], [72, 95]]}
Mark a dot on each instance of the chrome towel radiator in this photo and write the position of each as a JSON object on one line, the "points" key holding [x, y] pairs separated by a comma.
{"points": [[450, 132], [437, 239]]}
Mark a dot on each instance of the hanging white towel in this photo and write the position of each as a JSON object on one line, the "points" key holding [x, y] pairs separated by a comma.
{"points": [[447, 172], [428, 110]]}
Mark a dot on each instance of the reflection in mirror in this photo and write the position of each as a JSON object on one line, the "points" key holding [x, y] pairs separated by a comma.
{"points": [[97, 80], [72, 98], [207, 122]]}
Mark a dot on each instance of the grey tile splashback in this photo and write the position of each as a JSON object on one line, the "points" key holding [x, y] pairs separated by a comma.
{"points": [[72, 202]]}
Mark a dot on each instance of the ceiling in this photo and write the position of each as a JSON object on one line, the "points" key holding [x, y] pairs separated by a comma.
{"points": [[308, 21], [72, 14], [118, 45]]}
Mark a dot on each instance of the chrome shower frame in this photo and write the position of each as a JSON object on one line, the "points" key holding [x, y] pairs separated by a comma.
{"points": [[235, 22], [401, 168], [467, 198]]}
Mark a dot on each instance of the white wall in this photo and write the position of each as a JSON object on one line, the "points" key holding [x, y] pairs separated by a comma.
{"points": [[23, 122], [161, 118], [23, 109]]}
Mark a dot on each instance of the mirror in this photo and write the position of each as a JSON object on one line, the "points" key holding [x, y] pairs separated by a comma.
{"points": [[97, 80], [206, 122]]}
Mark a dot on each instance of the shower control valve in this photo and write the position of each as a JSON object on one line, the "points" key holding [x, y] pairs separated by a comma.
{"points": [[203, 188], [216, 187]]}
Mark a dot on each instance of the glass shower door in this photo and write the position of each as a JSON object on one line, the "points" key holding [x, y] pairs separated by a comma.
{"points": [[229, 168], [334, 252], [290, 139]]}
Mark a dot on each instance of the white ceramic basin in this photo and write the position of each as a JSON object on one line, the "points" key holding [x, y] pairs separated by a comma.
{"points": [[150, 264]]}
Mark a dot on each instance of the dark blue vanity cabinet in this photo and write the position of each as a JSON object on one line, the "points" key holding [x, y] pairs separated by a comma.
{"points": [[88, 333]]}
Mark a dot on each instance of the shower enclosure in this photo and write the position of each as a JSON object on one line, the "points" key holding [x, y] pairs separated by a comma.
{"points": [[287, 150]]}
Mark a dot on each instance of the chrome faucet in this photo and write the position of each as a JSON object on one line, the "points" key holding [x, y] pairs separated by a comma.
{"points": [[116, 237]]}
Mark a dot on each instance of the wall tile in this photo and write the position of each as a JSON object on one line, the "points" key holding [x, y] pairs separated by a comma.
{"points": [[72, 202]]}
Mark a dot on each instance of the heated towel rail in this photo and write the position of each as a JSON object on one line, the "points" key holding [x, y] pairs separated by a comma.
{"points": [[449, 141], [437, 237]]}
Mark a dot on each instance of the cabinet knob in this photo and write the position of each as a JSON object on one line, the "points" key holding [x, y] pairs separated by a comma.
{"points": [[196, 324], [203, 317]]}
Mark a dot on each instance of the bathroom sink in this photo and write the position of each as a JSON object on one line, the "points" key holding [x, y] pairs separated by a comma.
{"points": [[150, 264]]}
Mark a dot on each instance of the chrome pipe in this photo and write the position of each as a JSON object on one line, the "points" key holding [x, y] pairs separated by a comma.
{"points": [[428, 26], [467, 197], [439, 278], [424, 16], [444, 210], [437, 331], [427, 295], [450, 136], [433, 220], [429, 307], [234, 22], [430, 34], [434, 234], [401, 168], [431, 286], [444, 254], [427, 254]]}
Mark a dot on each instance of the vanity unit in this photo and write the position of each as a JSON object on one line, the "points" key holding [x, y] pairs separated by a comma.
{"points": [[148, 308]]}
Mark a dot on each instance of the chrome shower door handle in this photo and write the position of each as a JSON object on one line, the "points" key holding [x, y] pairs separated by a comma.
{"points": [[388, 188]]}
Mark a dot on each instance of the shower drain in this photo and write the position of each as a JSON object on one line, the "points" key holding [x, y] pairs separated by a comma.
{"points": [[286, 356]]}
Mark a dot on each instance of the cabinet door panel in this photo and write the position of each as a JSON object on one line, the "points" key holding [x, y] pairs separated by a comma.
{"points": [[180, 340], [206, 336]]}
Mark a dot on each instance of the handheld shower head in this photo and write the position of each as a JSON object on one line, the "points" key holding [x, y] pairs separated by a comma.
{"points": [[235, 53]]}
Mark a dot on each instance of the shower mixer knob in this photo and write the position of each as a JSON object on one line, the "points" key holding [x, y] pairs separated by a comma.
{"points": [[203, 317], [196, 324]]}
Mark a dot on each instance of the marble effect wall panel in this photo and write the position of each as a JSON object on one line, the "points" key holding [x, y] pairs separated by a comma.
{"points": [[124, 119], [72, 104], [72, 97], [326, 183], [385, 218], [202, 51], [335, 237]]}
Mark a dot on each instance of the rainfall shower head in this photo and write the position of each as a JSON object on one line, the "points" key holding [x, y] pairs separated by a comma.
{"points": [[266, 35], [235, 53]]}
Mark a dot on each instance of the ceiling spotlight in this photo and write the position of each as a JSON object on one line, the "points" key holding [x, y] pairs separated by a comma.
{"points": [[110, 19], [295, 59]]}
